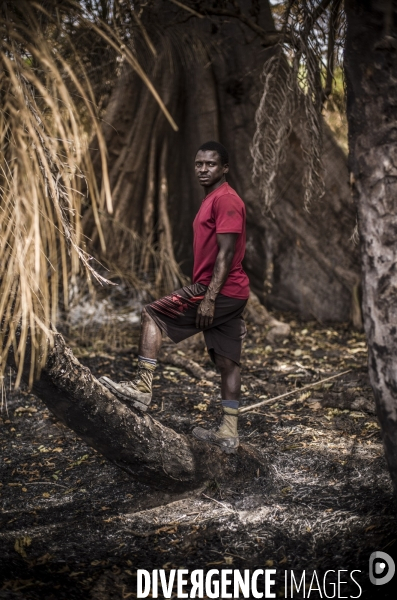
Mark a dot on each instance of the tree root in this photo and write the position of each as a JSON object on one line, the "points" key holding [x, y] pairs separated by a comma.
{"points": [[257, 314], [179, 360]]}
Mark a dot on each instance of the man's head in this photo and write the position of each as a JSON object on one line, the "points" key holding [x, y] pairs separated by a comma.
{"points": [[211, 165]]}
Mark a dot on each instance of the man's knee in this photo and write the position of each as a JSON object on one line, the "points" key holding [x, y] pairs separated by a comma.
{"points": [[225, 365], [145, 316]]}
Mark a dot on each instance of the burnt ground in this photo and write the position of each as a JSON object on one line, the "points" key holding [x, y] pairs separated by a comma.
{"points": [[73, 526]]}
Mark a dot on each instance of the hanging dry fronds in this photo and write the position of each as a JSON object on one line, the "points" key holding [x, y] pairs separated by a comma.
{"points": [[47, 117], [292, 88], [43, 164], [273, 122]]}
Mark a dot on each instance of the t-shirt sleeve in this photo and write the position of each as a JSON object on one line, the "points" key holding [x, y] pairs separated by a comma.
{"points": [[229, 214]]}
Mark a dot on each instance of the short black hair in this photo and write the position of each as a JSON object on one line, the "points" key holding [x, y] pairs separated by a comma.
{"points": [[216, 147]]}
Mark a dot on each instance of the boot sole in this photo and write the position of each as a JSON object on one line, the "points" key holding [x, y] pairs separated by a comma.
{"points": [[134, 401], [218, 443]]}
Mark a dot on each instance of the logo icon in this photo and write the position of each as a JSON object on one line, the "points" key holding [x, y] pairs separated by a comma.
{"points": [[381, 568]]}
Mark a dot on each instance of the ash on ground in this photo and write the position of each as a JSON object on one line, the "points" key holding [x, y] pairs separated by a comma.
{"points": [[73, 526]]}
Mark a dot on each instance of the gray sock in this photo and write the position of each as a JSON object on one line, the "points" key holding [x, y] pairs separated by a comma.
{"points": [[231, 403]]}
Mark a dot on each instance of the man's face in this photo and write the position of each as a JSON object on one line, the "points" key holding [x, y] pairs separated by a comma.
{"points": [[209, 168]]}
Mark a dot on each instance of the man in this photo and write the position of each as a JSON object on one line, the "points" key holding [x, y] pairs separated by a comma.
{"points": [[214, 303]]}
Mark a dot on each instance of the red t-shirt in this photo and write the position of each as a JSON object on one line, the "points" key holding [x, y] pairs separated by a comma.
{"points": [[222, 211]]}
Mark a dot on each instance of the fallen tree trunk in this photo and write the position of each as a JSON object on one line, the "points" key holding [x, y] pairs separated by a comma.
{"points": [[152, 453]]}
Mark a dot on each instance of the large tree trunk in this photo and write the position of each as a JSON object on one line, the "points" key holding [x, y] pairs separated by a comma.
{"points": [[146, 449], [209, 75], [371, 73]]}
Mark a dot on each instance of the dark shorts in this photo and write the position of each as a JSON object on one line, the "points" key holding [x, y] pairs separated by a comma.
{"points": [[176, 316]]}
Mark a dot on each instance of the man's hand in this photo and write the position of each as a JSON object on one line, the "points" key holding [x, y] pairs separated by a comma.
{"points": [[205, 313]]}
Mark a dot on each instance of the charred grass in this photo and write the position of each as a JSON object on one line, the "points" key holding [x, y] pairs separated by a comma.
{"points": [[73, 526]]}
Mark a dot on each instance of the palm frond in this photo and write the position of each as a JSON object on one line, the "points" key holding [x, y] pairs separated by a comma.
{"points": [[48, 115], [292, 87], [44, 168], [273, 118]]}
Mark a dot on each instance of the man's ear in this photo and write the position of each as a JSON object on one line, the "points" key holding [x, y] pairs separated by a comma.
{"points": [[225, 169]]}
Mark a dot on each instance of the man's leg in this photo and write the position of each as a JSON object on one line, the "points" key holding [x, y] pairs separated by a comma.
{"points": [[226, 437], [230, 377], [139, 390], [174, 314], [150, 338]]}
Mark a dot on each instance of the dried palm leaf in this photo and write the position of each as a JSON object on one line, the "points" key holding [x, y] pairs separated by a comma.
{"points": [[47, 117], [292, 85]]}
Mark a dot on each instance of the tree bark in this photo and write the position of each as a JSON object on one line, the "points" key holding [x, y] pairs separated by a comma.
{"points": [[371, 75], [150, 452], [209, 74]]}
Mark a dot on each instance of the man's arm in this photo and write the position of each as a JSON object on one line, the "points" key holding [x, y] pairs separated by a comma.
{"points": [[226, 244]]}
